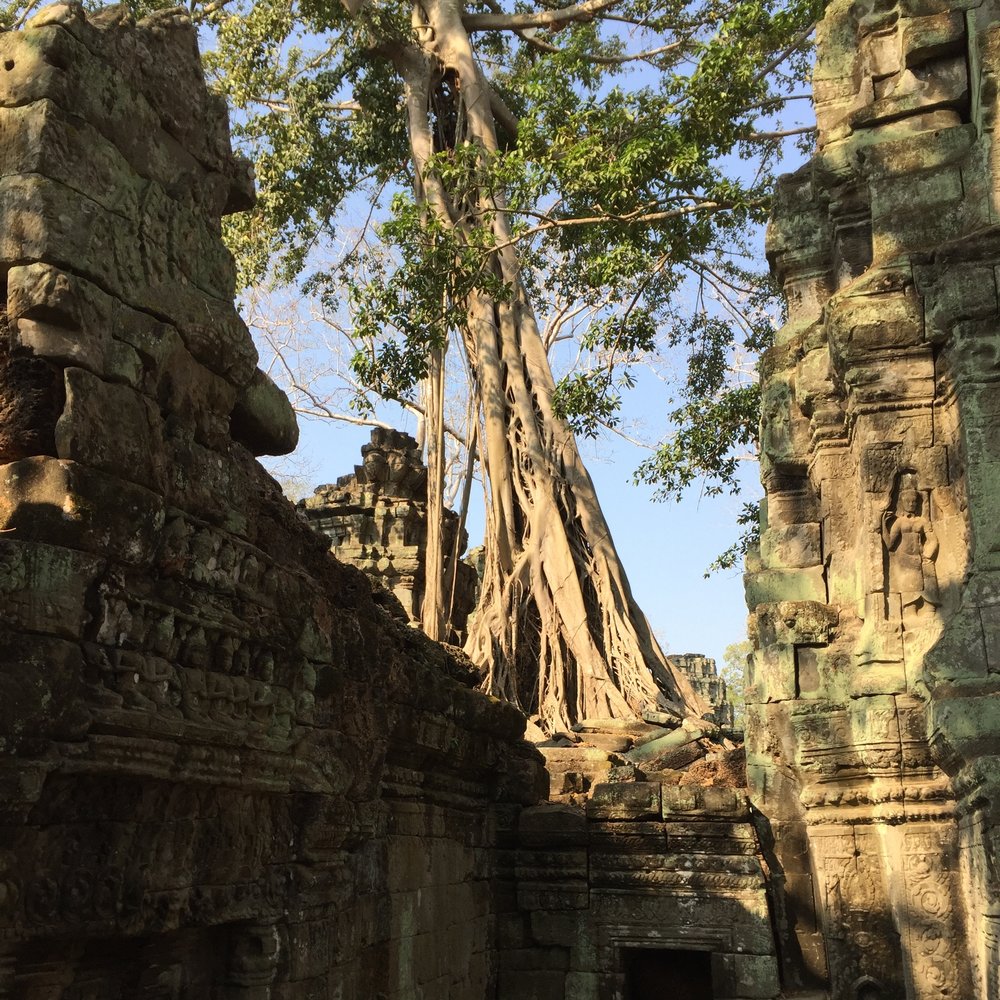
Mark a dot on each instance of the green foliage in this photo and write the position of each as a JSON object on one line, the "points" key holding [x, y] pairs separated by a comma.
{"points": [[733, 671], [591, 398], [623, 176], [405, 307], [629, 167]]}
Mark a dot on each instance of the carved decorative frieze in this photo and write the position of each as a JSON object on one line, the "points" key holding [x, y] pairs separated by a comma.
{"points": [[225, 771]]}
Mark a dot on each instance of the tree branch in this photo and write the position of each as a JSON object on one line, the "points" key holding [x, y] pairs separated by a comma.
{"points": [[536, 19], [600, 60], [207, 11], [766, 136], [798, 41], [504, 116], [627, 219]]}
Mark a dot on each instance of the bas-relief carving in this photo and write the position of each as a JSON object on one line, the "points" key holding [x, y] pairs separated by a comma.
{"points": [[202, 715], [911, 585], [889, 722]]}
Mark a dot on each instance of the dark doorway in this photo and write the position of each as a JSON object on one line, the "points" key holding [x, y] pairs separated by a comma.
{"points": [[667, 974]]}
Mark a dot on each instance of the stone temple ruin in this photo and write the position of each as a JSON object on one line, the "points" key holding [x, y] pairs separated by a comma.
{"points": [[703, 673], [229, 771], [376, 519], [874, 715]]}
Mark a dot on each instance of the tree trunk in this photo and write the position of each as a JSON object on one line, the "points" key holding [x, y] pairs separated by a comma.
{"points": [[432, 611], [557, 631]]}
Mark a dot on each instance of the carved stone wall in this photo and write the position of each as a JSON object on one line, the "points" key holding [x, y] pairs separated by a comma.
{"points": [[874, 719], [376, 519], [226, 773], [646, 874]]}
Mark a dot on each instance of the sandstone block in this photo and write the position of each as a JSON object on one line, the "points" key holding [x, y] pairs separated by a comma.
{"points": [[146, 257], [915, 153], [931, 37], [791, 546], [554, 865], [552, 824], [31, 399], [707, 835], [635, 800], [134, 450], [66, 63], [512, 931], [754, 977], [773, 585], [263, 418], [583, 986], [41, 686], [549, 896], [60, 316], [689, 800], [44, 587], [611, 742], [41, 138], [533, 985], [562, 930], [881, 54], [877, 321], [966, 726], [536, 959], [45, 499], [217, 337]]}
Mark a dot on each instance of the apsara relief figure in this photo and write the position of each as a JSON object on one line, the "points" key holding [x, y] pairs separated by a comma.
{"points": [[912, 547]]}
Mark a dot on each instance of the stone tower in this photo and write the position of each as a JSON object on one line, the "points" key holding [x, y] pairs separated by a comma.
{"points": [[376, 519], [874, 716]]}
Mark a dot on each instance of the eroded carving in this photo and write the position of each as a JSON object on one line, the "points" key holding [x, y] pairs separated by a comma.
{"points": [[886, 722], [912, 548], [218, 752]]}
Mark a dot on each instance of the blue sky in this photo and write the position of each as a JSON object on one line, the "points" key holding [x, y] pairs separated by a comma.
{"points": [[665, 547]]}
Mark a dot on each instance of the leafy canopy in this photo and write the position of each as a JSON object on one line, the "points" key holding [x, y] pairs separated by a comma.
{"points": [[633, 158]]}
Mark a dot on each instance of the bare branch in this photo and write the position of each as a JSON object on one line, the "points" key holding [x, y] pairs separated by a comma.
{"points": [[197, 15], [629, 218], [797, 42], [28, 10], [530, 38], [768, 136], [536, 19]]}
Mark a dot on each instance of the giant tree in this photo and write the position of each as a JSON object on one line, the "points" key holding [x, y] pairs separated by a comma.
{"points": [[509, 150]]}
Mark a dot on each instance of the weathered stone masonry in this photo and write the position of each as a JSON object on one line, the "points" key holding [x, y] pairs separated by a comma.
{"points": [[651, 891], [224, 771], [874, 728], [376, 519]]}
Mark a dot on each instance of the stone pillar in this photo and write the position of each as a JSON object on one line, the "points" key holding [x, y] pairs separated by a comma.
{"points": [[874, 716]]}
